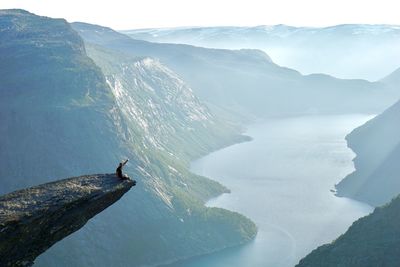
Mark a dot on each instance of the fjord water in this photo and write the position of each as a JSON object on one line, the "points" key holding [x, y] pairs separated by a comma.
{"points": [[282, 181]]}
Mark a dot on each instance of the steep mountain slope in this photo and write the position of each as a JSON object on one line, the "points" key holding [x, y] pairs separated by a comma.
{"points": [[247, 81], [393, 79], [346, 51], [371, 241], [377, 145], [151, 94], [54, 107], [62, 117]]}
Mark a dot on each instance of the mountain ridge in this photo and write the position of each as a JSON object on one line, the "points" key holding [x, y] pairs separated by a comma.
{"points": [[335, 50], [243, 80], [61, 109]]}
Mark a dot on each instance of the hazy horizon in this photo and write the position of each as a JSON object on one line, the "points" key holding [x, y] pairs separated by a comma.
{"points": [[247, 145], [256, 26], [156, 14]]}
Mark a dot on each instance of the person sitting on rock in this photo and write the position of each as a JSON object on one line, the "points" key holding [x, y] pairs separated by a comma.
{"points": [[119, 170]]}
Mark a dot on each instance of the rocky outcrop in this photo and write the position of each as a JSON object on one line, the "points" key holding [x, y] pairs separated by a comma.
{"points": [[33, 219], [56, 103]]}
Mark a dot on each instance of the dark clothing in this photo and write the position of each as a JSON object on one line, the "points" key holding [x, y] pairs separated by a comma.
{"points": [[119, 172]]}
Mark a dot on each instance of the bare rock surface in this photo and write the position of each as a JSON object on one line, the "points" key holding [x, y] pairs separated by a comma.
{"points": [[33, 219]]}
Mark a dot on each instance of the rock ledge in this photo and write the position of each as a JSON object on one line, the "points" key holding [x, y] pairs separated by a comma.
{"points": [[33, 219]]}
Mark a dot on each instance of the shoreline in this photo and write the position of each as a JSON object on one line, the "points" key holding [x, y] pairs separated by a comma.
{"points": [[226, 179], [225, 249], [241, 138]]}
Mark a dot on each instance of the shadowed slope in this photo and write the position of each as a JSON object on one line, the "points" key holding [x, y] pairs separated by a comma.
{"points": [[61, 116], [371, 241]]}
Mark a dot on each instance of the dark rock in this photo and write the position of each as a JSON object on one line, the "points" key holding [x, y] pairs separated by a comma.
{"points": [[62, 116], [33, 219]]}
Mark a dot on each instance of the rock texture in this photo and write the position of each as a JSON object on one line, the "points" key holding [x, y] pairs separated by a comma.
{"points": [[33, 219], [61, 116]]}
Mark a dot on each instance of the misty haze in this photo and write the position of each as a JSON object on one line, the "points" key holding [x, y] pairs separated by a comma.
{"points": [[192, 146]]}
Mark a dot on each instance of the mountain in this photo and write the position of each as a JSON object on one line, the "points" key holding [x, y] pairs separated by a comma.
{"points": [[42, 215], [345, 51], [63, 116], [151, 94], [370, 241], [377, 146], [54, 106], [247, 81], [393, 79]]}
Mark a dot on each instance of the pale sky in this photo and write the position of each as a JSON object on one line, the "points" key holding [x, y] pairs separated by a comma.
{"points": [[120, 14]]}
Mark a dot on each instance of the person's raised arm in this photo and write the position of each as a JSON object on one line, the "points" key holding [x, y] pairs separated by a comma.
{"points": [[125, 162]]}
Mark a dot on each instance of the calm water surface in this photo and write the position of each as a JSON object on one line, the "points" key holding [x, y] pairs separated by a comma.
{"points": [[282, 181]]}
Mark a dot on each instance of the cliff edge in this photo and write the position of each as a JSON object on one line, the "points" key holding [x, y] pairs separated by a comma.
{"points": [[33, 219]]}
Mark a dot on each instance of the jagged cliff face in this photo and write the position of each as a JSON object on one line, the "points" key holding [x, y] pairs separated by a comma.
{"points": [[247, 81], [149, 94], [33, 219], [370, 241], [62, 116]]}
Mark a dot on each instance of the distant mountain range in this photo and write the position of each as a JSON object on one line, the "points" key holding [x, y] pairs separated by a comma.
{"points": [[247, 81], [77, 98], [67, 109], [346, 51]]}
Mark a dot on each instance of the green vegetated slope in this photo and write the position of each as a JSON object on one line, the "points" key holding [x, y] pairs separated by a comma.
{"points": [[64, 114], [371, 241], [247, 81], [377, 145]]}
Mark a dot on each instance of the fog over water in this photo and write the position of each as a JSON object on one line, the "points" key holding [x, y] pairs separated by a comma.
{"points": [[282, 181]]}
